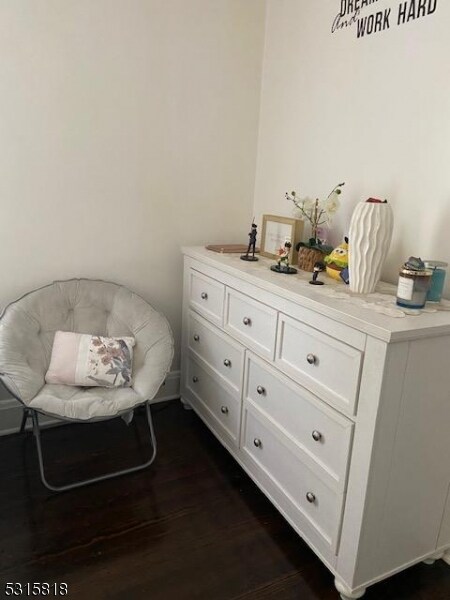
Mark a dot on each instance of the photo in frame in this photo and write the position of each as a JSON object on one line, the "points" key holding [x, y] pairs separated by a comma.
{"points": [[275, 231]]}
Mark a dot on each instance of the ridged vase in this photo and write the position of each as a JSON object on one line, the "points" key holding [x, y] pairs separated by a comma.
{"points": [[370, 236]]}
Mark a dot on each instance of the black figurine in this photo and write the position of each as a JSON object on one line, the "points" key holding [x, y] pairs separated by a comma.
{"points": [[318, 268], [251, 245]]}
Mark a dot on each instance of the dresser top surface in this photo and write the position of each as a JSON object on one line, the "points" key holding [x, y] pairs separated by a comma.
{"points": [[332, 299]]}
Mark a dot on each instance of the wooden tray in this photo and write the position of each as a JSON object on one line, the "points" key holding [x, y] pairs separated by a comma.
{"points": [[229, 248]]}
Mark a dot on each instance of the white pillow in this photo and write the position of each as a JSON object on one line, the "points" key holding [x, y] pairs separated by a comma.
{"points": [[90, 360]]}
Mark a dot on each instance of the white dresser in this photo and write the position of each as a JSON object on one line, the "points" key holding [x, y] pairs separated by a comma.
{"points": [[339, 414]]}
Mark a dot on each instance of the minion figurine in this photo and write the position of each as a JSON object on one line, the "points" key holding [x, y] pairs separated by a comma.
{"points": [[337, 261]]}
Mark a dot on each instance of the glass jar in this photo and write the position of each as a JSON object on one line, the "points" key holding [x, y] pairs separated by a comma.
{"points": [[439, 270], [413, 287]]}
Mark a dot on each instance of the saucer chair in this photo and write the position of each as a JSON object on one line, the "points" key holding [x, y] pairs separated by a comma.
{"points": [[27, 329]]}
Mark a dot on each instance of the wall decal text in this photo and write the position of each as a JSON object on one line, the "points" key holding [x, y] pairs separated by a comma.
{"points": [[355, 13]]}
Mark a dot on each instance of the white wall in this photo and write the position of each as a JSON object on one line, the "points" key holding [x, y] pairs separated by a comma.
{"points": [[127, 128], [373, 112]]}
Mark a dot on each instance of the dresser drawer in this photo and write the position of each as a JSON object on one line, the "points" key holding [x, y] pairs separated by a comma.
{"points": [[322, 435], [206, 295], [216, 403], [217, 349], [252, 322], [318, 507], [324, 365]]}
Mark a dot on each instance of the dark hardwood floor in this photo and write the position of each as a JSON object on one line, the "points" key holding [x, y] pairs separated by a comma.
{"points": [[191, 527]]}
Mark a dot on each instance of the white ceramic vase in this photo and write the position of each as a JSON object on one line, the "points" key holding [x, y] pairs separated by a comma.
{"points": [[370, 236]]}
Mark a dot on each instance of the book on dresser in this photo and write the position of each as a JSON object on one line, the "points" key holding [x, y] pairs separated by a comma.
{"points": [[341, 415]]}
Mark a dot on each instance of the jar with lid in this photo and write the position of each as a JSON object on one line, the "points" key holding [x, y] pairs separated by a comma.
{"points": [[413, 287], [439, 270]]}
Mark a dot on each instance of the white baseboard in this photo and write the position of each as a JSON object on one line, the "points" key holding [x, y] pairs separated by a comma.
{"points": [[11, 409], [170, 390]]}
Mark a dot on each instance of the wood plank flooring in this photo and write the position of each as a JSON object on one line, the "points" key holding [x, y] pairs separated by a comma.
{"points": [[191, 527]]}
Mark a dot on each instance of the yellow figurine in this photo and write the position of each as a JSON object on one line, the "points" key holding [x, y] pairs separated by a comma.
{"points": [[337, 261]]}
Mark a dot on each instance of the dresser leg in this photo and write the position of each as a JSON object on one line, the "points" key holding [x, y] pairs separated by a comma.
{"points": [[185, 405], [432, 559], [346, 593], [446, 557]]}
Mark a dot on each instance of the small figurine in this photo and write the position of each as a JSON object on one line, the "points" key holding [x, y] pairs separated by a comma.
{"points": [[282, 265], [337, 261], [283, 254], [318, 268], [251, 244]]}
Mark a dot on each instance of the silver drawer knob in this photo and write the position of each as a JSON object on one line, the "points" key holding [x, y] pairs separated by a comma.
{"points": [[311, 359], [261, 390], [316, 435], [227, 362], [196, 338], [195, 379], [257, 442], [247, 321], [310, 497], [224, 410], [204, 296]]}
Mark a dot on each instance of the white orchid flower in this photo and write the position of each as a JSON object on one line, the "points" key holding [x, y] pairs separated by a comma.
{"points": [[316, 212], [308, 203], [332, 204]]}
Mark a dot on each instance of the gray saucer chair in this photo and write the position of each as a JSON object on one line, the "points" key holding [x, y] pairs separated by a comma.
{"points": [[27, 328]]}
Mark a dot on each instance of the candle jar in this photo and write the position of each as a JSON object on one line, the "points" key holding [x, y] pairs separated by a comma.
{"points": [[413, 287], [439, 270]]}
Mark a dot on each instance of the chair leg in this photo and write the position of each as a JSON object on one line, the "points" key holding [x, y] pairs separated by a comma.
{"points": [[63, 488], [25, 416]]}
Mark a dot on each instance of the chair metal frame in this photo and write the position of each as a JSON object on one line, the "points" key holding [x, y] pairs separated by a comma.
{"points": [[34, 415]]}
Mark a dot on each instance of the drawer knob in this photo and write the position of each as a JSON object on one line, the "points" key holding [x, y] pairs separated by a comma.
{"points": [[227, 362], [196, 338], [257, 442], [195, 379], [261, 390], [311, 359], [247, 321], [204, 296], [224, 410], [311, 497], [316, 435]]}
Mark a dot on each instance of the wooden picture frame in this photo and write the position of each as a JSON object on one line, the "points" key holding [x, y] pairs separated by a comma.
{"points": [[275, 230]]}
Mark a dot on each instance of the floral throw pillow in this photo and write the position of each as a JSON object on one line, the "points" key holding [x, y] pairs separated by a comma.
{"points": [[91, 360]]}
